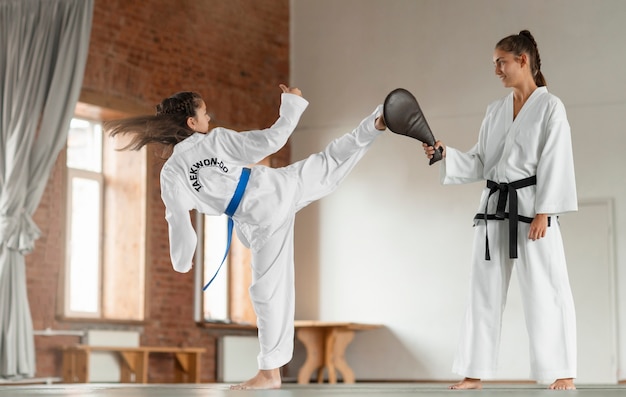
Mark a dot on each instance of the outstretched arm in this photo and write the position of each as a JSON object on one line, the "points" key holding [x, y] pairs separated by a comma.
{"points": [[253, 146]]}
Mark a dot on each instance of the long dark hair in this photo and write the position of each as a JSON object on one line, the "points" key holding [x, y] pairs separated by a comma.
{"points": [[167, 127], [521, 43]]}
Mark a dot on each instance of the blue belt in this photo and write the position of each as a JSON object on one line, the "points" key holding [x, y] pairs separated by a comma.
{"points": [[230, 211]]}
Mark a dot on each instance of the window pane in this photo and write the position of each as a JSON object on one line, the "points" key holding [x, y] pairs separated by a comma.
{"points": [[215, 297], [105, 248], [84, 145], [85, 246]]}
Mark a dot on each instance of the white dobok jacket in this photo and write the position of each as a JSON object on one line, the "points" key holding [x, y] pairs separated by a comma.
{"points": [[537, 142], [204, 170]]}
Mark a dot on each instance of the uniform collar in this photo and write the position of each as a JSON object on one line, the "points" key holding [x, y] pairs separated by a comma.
{"points": [[188, 142]]}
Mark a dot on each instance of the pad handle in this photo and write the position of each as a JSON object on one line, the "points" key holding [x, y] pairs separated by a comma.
{"points": [[438, 155]]}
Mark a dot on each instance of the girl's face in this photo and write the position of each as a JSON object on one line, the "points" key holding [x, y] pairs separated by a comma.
{"points": [[508, 67], [200, 122]]}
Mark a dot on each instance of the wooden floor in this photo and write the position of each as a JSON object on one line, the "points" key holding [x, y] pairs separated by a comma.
{"points": [[294, 390]]}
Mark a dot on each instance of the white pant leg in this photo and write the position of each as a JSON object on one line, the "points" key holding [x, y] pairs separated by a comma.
{"points": [[272, 290], [547, 299], [320, 174], [273, 297], [479, 343], [548, 304]]}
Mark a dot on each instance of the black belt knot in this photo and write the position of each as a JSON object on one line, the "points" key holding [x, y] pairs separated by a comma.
{"points": [[506, 192]]}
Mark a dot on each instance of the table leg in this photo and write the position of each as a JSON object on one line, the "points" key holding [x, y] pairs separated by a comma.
{"points": [[68, 366], [320, 374], [188, 367], [342, 338], [129, 366], [195, 366], [329, 354], [75, 366], [141, 376], [313, 340], [182, 367]]}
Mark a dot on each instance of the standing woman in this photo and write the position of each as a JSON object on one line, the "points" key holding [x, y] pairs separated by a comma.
{"points": [[524, 152], [208, 168]]}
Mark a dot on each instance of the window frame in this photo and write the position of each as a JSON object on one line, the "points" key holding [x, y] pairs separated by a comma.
{"points": [[107, 294]]}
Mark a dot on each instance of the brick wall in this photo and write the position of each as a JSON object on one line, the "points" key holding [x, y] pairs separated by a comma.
{"points": [[234, 53]]}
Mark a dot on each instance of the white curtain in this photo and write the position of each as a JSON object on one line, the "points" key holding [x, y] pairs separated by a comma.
{"points": [[43, 51]]}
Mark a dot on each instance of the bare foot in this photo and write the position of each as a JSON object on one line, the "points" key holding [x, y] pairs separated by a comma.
{"points": [[563, 384], [467, 384], [264, 379], [380, 123]]}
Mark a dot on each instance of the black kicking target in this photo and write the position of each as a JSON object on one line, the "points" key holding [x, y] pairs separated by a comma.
{"points": [[403, 116]]}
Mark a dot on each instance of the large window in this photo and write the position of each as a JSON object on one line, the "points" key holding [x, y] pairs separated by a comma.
{"points": [[105, 255], [84, 248]]}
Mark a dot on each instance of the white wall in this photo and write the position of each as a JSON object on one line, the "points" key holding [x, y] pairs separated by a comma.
{"points": [[392, 245]]}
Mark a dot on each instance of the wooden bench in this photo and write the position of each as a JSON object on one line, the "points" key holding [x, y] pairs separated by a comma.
{"points": [[133, 362], [325, 344]]}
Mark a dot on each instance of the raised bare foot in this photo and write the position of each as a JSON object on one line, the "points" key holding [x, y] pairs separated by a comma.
{"points": [[379, 123], [264, 379], [563, 384], [467, 384]]}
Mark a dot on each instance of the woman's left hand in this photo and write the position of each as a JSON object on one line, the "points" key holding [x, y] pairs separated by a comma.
{"points": [[538, 227]]}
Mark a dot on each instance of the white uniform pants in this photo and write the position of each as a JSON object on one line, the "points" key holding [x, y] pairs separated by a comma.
{"points": [[546, 296], [272, 290]]}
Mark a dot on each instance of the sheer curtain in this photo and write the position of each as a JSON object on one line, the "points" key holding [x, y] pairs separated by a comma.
{"points": [[44, 50]]}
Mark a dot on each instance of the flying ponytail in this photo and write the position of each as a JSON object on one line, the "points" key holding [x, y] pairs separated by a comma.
{"points": [[167, 127]]}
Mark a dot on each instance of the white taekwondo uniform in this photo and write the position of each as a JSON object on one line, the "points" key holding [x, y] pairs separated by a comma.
{"points": [[537, 143], [202, 174]]}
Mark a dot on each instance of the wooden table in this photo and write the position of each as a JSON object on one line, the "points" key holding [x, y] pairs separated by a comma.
{"points": [[134, 361], [325, 344]]}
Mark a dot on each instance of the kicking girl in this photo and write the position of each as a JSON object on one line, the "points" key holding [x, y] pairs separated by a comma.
{"points": [[207, 170]]}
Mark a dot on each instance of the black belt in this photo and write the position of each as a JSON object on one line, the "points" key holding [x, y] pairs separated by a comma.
{"points": [[506, 192]]}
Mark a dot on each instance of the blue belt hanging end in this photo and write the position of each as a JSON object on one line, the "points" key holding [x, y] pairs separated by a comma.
{"points": [[230, 211]]}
